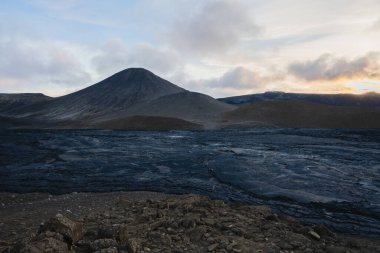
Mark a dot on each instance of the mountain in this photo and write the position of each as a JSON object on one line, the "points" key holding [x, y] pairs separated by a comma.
{"points": [[131, 92], [116, 93], [187, 105], [300, 114], [20, 100], [136, 98], [365, 100]]}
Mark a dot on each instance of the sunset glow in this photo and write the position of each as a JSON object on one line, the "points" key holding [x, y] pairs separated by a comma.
{"points": [[218, 47]]}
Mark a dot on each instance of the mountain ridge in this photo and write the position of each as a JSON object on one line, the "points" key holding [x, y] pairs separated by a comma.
{"points": [[131, 92], [370, 99], [137, 97], [119, 91], [301, 114]]}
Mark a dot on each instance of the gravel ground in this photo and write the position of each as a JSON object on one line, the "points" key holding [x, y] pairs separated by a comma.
{"points": [[21, 214], [157, 222]]}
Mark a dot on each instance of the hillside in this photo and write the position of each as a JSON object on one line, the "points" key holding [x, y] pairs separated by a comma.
{"points": [[364, 100], [186, 105], [9, 102], [278, 113]]}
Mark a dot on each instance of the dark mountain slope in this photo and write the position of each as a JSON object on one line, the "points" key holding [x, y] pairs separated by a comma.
{"points": [[186, 105], [128, 93], [365, 100], [116, 93], [10, 102], [300, 114]]}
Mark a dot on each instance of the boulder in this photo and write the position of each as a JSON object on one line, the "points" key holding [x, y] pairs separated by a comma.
{"points": [[72, 231], [42, 244], [103, 244], [134, 245]]}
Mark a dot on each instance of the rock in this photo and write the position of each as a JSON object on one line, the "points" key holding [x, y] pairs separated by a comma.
{"points": [[176, 238], [188, 222], [335, 249], [297, 241], [82, 246], [157, 224], [185, 225], [105, 232], [239, 231], [108, 250], [273, 217], [211, 239], [314, 235], [231, 246], [192, 200], [323, 231], [5, 243], [213, 247], [209, 222], [47, 244], [154, 236], [72, 231], [285, 245], [133, 245], [261, 210], [197, 233], [103, 244], [122, 233]]}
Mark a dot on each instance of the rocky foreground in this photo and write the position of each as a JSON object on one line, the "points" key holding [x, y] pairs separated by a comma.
{"points": [[158, 223]]}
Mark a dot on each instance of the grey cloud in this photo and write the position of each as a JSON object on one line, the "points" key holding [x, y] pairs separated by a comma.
{"points": [[328, 67], [238, 78], [376, 25], [242, 78], [161, 60], [115, 56], [112, 58], [40, 61], [215, 28], [237, 81]]}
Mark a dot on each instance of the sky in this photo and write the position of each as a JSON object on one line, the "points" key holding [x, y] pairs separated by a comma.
{"points": [[218, 47]]}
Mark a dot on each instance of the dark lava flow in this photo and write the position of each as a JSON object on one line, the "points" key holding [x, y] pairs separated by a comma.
{"points": [[330, 177]]}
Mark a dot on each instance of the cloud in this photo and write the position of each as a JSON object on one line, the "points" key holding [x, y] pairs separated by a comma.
{"points": [[162, 60], [376, 25], [111, 58], [215, 28], [330, 68], [31, 61], [237, 81], [82, 12], [238, 78], [116, 56]]}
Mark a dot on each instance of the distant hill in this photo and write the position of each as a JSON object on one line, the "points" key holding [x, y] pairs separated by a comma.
{"points": [[365, 100], [300, 114], [16, 101]]}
